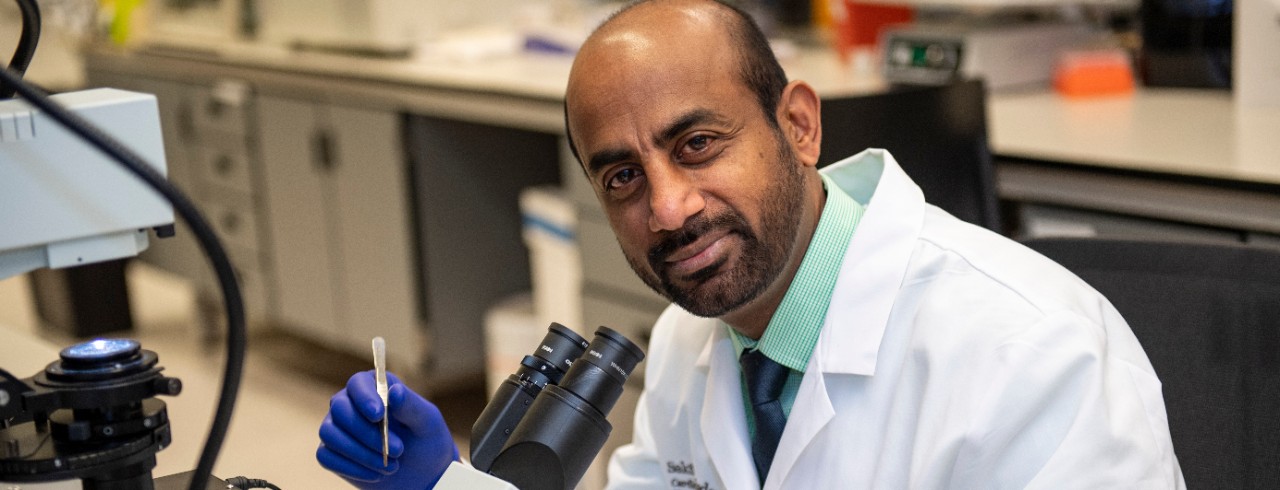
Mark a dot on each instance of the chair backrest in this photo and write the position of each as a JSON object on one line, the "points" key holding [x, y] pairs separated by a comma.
{"points": [[937, 133], [1208, 316]]}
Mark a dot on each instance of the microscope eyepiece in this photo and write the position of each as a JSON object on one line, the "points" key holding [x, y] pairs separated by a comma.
{"points": [[610, 354], [553, 357]]}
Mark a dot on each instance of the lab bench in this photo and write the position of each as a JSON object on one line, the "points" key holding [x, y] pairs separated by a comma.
{"points": [[1166, 163], [446, 146], [366, 197]]}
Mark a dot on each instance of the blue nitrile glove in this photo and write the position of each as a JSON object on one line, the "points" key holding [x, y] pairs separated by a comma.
{"points": [[419, 443]]}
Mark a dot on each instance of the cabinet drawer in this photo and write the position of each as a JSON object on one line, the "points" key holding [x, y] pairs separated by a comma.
{"points": [[221, 108], [234, 220], [225, 166]]}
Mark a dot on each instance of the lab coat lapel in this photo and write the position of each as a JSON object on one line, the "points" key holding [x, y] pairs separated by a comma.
{"points": [[859, 311], [810, 414], [851, 334], [723, 420], [874, 264]]}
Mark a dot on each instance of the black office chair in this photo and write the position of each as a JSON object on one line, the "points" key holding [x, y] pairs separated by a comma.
{"points": [[938, 135], [1208, 316]]}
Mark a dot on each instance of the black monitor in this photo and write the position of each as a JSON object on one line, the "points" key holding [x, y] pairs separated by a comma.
{"points": [[938, 134], [1186, 43]]}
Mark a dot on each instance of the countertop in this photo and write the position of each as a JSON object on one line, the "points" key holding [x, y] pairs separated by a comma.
{"points": [[1176, 131], [1199, 133]]}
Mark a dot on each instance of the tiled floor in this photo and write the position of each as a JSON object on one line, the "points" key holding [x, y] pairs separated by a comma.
{"points": [[280, 403]]}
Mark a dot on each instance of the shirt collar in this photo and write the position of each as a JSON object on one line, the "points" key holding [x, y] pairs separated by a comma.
{"points": [[793, 331]]}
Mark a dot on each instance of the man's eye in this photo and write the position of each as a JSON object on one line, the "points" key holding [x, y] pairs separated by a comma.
{"points": [[622, 178], [698, 143], [697, 149]]}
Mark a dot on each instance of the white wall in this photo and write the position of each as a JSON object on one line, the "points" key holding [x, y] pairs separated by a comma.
{"points": [[57, 64]]}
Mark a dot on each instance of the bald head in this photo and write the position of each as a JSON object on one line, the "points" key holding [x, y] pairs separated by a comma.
{"points": [[646, 15], [703, 157], [654, 35]]}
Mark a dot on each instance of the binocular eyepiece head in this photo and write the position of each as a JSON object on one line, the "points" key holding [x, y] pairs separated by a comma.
{"points": [[547, 421]]}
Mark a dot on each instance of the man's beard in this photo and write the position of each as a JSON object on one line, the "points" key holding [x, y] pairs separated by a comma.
{"points": [[761, 257]]}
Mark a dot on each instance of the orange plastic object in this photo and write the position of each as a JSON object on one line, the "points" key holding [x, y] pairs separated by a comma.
{"points": [[859, 24], [1093, 73]]}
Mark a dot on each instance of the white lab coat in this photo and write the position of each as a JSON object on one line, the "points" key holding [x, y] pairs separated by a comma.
{"points": [[950, 357]]}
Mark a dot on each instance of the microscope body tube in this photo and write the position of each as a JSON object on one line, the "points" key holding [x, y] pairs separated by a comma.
{"points": [[555, 452], [565, 428], [546, 366], [552, 444], [500, 417]]}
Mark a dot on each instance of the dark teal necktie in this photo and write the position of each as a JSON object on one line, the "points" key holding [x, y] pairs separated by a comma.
{"points": [[765, 379]]}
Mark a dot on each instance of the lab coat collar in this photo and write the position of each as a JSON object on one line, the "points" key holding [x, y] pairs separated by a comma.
{"points": [[875, 263], [873, 268], [877, 257], [850, 341]]}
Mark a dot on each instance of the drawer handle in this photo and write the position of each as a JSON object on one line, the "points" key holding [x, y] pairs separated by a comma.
{"points": [[322, 151], [215, 107], [224, 165]]}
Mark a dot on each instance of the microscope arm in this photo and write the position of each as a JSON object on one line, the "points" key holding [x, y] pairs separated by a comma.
{"points": [[64, 203]]}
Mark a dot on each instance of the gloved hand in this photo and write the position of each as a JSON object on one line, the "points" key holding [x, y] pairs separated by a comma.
{"points": [[419, 443]]}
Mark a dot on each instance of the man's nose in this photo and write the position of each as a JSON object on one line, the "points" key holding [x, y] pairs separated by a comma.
{"points": [[673, 198]]}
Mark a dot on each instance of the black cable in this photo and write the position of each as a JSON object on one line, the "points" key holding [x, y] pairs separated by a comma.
{"points": [[26, 44], [236, 336], [243, 483]]}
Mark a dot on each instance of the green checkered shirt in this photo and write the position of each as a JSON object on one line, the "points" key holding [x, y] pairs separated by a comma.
{"points": [[793, 331]]}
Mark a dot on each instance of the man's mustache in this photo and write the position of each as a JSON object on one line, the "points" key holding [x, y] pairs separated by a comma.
{"points": [[694, 229]]}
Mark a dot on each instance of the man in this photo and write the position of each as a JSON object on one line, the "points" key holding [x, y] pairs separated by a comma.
{"points": [[829, 330]]}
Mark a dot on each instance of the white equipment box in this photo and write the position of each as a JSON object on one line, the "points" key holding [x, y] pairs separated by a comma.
{"points": [[64, 203], [1005, 56]]}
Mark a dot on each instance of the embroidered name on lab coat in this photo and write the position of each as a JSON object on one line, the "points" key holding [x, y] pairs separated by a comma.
{"points": [[683, 476]]}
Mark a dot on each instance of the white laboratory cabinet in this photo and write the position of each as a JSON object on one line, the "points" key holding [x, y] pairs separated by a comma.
{"points": [[337, 210], [310, 201]]}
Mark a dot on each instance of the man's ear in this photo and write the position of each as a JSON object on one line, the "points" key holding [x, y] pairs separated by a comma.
{"points": [[800, 118]]}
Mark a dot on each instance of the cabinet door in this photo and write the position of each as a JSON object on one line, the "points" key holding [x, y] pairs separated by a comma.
{"points": [[468, 179], [294, 151], [374, 236]]}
